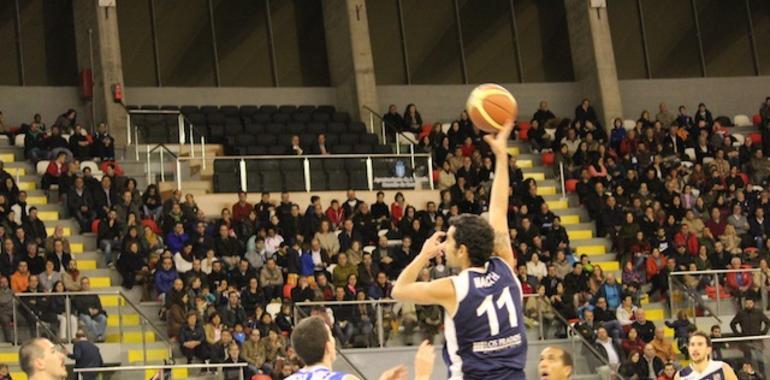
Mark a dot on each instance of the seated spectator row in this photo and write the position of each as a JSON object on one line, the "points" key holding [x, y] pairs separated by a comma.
{"points": [[289, 175]]}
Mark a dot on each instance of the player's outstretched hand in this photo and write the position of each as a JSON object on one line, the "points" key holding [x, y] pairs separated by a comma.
{"points": [[498, 143], [423, 361], [395, 373], [434, 245]]}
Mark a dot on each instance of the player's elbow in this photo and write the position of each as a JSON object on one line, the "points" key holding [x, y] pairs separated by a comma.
{"points": [[397, 292]]}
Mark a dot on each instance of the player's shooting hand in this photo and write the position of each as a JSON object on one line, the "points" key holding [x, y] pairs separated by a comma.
{"points": [[423, 361], [434, 245], [395, 373], [498, 143]]}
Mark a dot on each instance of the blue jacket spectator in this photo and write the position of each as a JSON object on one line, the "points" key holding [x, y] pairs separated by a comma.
{"points": [[176, 240], [165, 276]]}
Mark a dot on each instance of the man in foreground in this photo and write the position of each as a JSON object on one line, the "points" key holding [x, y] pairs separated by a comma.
{"points": [[701, 366], [42, 360], [316, 346], [555, 364]]}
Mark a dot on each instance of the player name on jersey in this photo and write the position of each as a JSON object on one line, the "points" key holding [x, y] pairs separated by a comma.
{"points": [[497, 344]]}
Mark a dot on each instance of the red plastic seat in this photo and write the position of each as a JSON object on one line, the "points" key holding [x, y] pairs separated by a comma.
{"points": [[571, 185], [523, 129], [745, 178], [756, 119], [755, 137], [95, 225], [548, 158]]}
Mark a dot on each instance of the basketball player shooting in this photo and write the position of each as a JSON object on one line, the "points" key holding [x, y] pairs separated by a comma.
{"points": [[483, 303], [701, 366]]}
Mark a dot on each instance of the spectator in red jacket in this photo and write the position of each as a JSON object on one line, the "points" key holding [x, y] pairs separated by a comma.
{"points": [[241, 209], [739, 283], [336, 214], [688, 239], [55, 169]]}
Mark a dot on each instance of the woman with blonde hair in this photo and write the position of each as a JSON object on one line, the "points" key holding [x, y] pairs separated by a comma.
{"points": [[731, 240]]}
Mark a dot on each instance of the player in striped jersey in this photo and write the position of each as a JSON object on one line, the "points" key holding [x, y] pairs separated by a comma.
{"points": [[701, 366], [313, 341]]}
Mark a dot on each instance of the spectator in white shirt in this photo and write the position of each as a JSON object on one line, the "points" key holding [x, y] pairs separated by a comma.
{"points": [[626, 311], [536, 268], [272, 241]]}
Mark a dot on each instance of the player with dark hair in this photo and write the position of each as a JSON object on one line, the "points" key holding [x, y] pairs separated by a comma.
{"points": [[555, 364], [701, 366], [313, 341], [485, 335], [42, 360]]}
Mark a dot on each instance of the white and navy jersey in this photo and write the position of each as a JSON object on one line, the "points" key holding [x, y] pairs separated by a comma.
{"points": [[486, 338], [316, 373], [713, 371]]}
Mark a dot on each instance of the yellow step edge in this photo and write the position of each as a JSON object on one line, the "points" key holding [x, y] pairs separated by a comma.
{"points": [[514, 151], [546, 190], [16, 171], [654, 314], [110, 301], [37, 200], [7, 157], [48, 216], [176, 373], [535, 176], [558, 204], [67, 231], [609, 266], [153, 354], [27, 185], [130, 337], [569, 219], [524, 164], [9, 357], [128, 320], [598, 249], [86, 264], [18, 375], [100, 282], [77, 248], [668, 332], [580, 234]]}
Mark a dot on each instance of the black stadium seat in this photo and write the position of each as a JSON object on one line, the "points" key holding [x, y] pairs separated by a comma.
{"points": [[307, 139], [150, 107], [288, 108], [188, 109], [295, 128], [357, 127], [268, 109], [232, 129], [245, 140], [332, 139], [248, 110], [337, 180], [369, 139], [323, 117], [229, 110], [358, 180], [348, 139], [342, 149], [337, 128], [276, 150], [316, 128], [302, 117], [363, 149], [209, 109], [266, 139], [306, 108], [318, 180], [262, 118], [383, 149], [226, 183], [253, 180], [326, 109], [294, 180], [275, 128], [282, 117], [254, 128], [341, 117], [257, 150], [169, 107], [225, 166]]}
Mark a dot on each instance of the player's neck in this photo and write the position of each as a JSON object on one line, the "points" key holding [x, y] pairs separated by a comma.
{"points": [[43, 376], [700, 367]]}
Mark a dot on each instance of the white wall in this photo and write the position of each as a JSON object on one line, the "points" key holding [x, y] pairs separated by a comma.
{"points": [[19, 104], [723, 96], [231, 95]]}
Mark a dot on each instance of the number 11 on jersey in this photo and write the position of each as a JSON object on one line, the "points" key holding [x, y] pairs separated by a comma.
{"points": [[489, 307]]}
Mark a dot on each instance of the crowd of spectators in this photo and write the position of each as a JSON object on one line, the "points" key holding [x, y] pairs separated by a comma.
{"points": [[217, 277]]}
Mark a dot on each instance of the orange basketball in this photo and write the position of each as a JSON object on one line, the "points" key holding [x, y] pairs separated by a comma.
{"points": [[490, 106]]}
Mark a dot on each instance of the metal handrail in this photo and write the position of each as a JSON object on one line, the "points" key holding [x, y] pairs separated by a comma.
{"points": [[694, 297], [344, 357], [181, 126], [16, 298], [713, 271], [142, 316], [312, 156], [740, 338], [583, 341], [162, 368], [384, 125]]}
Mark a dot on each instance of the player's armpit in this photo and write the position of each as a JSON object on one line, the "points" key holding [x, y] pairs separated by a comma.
{"points": [[436, 292], [503, 249], [729, 373]]}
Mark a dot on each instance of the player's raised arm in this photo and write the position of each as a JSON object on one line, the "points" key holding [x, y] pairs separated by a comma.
{"points": [[437, 292], [498, 201]]}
